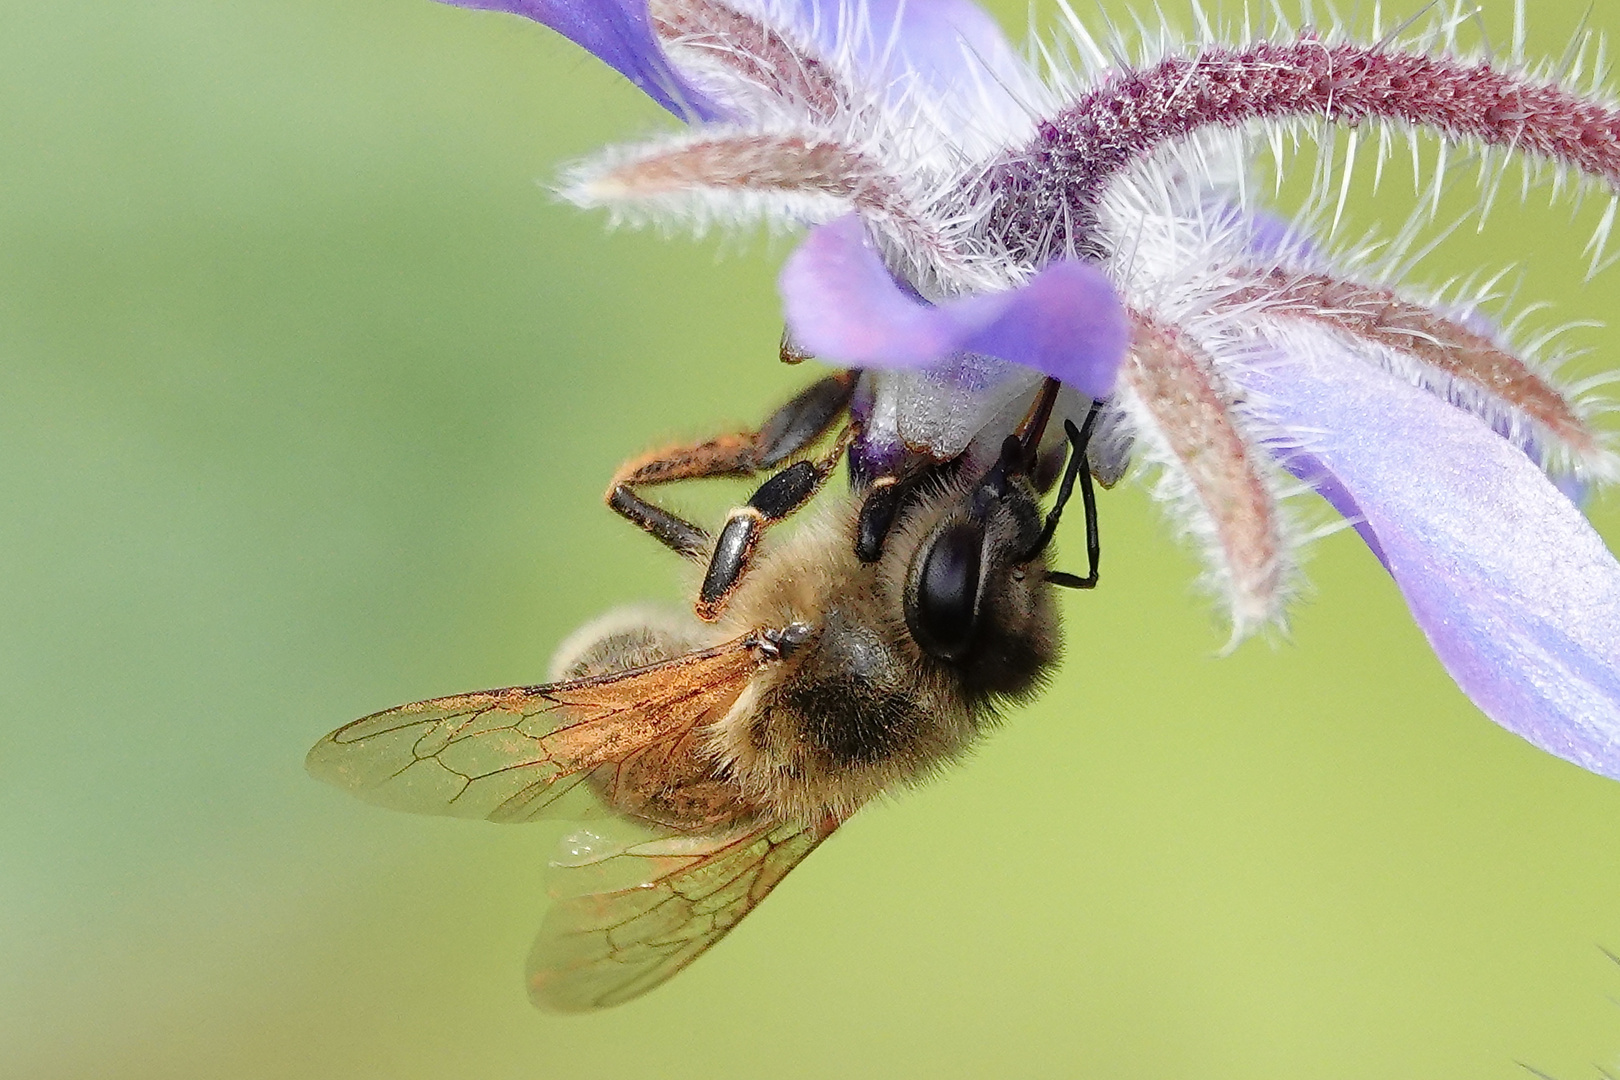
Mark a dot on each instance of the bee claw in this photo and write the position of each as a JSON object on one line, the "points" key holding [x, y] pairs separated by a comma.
{"points": [[773, 644]]}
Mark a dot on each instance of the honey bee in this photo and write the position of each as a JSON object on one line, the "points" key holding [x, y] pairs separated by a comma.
{"points": [[867, 649]]}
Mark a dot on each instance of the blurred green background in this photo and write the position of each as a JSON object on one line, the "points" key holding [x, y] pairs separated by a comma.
{"points": [[308, 390]]}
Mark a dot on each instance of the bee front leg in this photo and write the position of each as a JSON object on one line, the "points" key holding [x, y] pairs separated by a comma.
{"points": [[1079, 468]]}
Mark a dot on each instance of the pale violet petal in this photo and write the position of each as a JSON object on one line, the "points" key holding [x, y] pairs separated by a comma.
{"points": [[620, 34], [1515, 590], [1306, 467], [953, 47], [842, 304]]}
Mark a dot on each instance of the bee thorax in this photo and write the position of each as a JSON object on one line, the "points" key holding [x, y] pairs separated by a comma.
{"points": [[852, 714]]}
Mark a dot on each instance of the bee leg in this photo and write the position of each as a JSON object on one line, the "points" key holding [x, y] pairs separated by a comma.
{"points": [[730, 455], [794, 426], [886, 499], [776, 498], [806, 418], [878, 511], [1079, 468]]}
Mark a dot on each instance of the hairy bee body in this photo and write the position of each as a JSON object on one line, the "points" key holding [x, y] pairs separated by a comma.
{"points": [[862, 648], [859, 706]]}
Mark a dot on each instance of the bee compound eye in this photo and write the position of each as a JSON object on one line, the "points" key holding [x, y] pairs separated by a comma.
{"points": [[942, 610]]}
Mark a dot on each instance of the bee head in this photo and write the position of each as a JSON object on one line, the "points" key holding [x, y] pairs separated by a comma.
{"points": [[976, 595]]}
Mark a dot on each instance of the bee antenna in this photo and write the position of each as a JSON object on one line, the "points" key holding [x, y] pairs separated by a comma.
{"points": [[1079, 468]]}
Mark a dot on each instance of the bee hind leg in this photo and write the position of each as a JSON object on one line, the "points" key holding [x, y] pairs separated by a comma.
{"points": [[792, 428]]}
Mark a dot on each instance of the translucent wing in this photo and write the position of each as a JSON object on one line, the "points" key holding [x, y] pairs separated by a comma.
{"points": [[631, 914], [508, 754]]}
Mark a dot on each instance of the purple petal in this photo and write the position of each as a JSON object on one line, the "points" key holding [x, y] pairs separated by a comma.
{"points": [[1514, 589], [1270, 236], [1309, 468], [842, 303], [942, 41], [619, 33], [948, 44]]}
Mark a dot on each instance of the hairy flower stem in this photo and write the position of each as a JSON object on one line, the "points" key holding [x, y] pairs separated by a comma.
{"points": [[788, 162], [1449, 349], [751, 49], [1046, 195], [1182, 405]]}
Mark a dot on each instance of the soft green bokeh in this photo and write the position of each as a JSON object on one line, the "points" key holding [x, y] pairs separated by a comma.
{"points": [[307, 394]]}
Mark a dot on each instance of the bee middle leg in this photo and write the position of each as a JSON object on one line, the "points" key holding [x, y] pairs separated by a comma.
{"points": [[745, 526]]}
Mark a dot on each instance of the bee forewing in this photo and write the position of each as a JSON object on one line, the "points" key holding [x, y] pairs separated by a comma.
{"points": [[634, 910], [508, 755]]}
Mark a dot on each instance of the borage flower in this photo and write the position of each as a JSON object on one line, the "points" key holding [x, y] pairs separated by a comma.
{"points": [[974, 228]]}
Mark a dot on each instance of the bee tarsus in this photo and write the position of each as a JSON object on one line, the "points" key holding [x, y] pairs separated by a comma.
{"points": [[780, 644], [1079, 467]]}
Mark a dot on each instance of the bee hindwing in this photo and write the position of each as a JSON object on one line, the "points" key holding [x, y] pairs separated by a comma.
{"points": [[630, 915]]}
